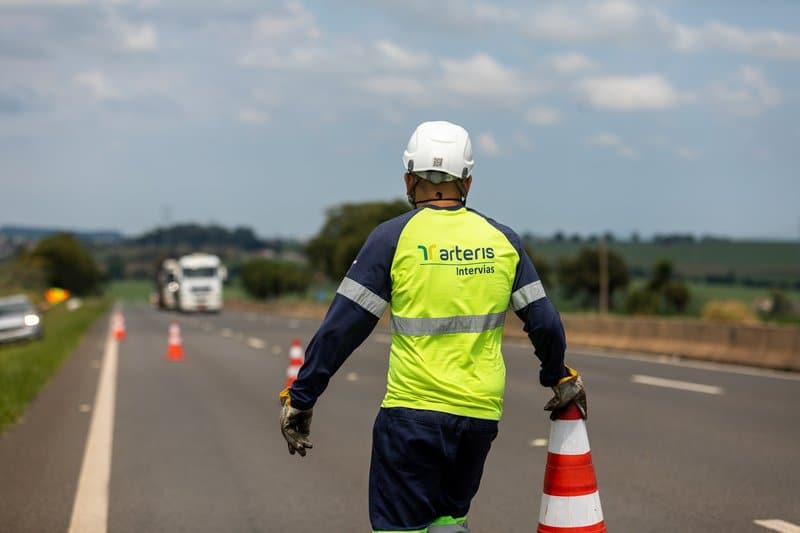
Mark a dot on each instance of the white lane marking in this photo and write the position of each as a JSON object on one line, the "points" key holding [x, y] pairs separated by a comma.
{"points": [[256, 343], [382, 338], [84, 408], [226, 332], [778, 525], [90, 509], [352, 376], [675, 384], [538, 443], [730, 368], [276, 350]]}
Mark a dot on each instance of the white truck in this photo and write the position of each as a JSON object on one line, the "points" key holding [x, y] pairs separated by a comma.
{"points": [[192, 283]]}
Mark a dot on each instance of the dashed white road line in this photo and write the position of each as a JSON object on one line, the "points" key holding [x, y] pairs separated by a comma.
{"points": [[226, 332], [729, 368], [675, 384], [256, 343], [778, 525], [84, 408], [90, 508], [352, 376], [538, 443]]}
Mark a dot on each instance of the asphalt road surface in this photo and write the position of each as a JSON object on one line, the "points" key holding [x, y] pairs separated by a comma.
{"points": [[196, 446]]}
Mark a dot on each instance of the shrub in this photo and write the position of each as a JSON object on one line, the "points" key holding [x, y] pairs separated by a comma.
{"points": [[264, 278], [729, 311]]}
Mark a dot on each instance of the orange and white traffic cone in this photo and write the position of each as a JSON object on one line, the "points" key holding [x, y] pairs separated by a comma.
{"points": [[296, 358], [570, 502], [119, 326], [174, 343]]}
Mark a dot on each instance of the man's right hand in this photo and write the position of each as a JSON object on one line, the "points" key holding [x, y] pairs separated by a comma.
{"points": [[569, 388], [295, 425]]}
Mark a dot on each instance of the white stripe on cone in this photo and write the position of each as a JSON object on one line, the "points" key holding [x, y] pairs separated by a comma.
{"points": [[568, 437], [571, 511]]}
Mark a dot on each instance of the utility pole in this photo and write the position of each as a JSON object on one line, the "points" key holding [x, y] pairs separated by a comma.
{"points": [[602, 254]]}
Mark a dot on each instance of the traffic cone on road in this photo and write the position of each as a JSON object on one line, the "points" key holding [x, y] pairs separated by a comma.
{"points": [[174, 343], [296, 358], [119, 326], [570, 502]]}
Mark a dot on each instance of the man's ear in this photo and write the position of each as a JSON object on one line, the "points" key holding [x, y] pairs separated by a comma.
{"points": [[467, 182], [409, 179]]}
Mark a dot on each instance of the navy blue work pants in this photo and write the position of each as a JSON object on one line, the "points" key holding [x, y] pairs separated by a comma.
{"points": [[425, 465]]}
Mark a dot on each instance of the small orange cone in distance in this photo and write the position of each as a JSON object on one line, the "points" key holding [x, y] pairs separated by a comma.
{"points": [[119, 326], [570, 500], [296, 358], [174, 343]]}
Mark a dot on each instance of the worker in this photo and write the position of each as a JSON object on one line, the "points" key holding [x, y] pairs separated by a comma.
{"points": [[448, 274]]}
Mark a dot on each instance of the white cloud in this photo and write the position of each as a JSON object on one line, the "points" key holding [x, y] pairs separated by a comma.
{"points": [[750, 94], [720, 36], [543, 116], [96, 83], [590, 21], [523, 141], [25, 3], [399, 57], [487, 144], [610, 140], [294, 21], [251, 115], [139, 38], [634, 93], [482, 76], [300, 58], [687, 153], [571, 63], [394, 86]]}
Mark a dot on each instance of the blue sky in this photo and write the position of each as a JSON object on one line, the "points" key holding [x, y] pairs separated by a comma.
{"points": [[662, 116]]}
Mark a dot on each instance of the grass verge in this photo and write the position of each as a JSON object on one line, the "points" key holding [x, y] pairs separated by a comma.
{"points": [[25, 368]]}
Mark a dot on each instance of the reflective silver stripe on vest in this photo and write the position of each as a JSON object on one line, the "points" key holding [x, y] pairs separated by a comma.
{"points": [[527, 295], [450, 324], [362, 296]]}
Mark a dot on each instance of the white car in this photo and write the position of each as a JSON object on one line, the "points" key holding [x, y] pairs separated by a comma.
{"points": [[19, 319]]}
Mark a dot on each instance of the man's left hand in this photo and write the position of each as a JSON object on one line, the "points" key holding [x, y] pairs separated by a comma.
{"points": [[295, 425], [569, 388]]}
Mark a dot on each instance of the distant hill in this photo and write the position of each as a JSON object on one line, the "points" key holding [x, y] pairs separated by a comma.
{"points": [[199, 236], [31, 233]]}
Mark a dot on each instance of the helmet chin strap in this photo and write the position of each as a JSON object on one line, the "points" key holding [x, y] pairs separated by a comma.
{"points": [[414, 202]]}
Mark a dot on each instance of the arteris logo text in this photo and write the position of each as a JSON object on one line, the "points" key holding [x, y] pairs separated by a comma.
{"points": [[456, 253], [468, 261]]}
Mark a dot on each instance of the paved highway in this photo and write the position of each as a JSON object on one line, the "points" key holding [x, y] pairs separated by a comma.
{"points": [[196, 447]]}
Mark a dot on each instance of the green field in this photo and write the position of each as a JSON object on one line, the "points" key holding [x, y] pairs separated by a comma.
{"points": [[26, 367], [763, 261]]}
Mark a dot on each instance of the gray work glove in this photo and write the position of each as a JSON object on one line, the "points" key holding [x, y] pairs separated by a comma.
{"points": [[569, 388], [295, 425]]}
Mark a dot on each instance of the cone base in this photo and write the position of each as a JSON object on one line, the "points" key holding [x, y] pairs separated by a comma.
{"points": [[174, 354]]}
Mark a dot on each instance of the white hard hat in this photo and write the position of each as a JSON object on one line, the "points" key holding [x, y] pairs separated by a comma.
{"points": [[441, 147]]}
